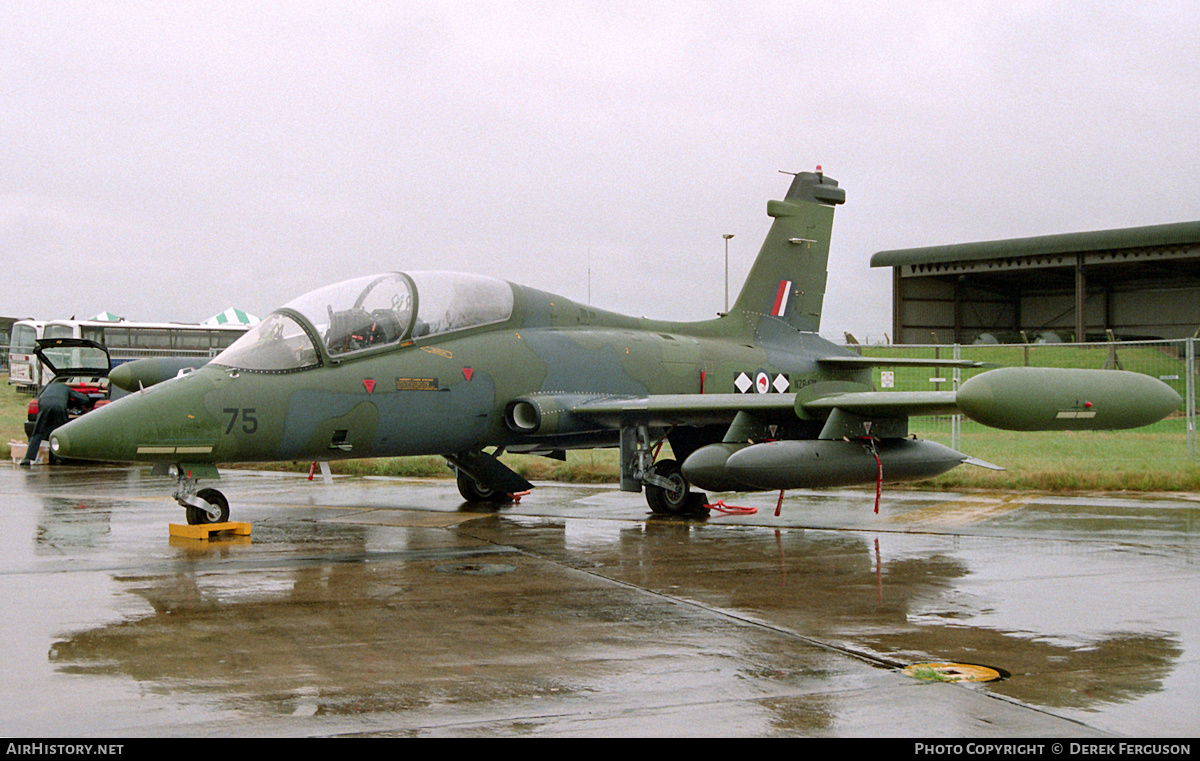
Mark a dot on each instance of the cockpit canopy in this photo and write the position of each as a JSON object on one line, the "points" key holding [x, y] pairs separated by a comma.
{"points": [[367, 313]]}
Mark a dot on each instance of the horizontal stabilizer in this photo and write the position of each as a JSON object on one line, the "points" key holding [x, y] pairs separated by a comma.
{"points": [[981, 463]]}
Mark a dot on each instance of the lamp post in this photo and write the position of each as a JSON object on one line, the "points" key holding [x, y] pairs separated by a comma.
{"points": [[727, 236]]}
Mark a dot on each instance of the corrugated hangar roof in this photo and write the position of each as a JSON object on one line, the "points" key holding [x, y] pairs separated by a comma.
{"points": [[1175, 234]]}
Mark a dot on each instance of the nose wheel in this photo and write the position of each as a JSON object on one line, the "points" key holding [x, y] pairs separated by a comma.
{"points": [[215, 509], [202, 506]]}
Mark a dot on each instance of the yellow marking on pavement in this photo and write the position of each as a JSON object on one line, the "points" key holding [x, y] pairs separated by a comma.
{"points": [[952, 672]]}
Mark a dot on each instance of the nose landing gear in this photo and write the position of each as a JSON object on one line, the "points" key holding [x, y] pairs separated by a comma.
{"points": [[203, 506]]}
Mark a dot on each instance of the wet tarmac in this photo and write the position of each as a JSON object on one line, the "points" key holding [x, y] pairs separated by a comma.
{"points": [[380, 607]]}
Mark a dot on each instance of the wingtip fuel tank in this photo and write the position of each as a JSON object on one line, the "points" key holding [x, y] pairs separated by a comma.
{"points": [[148, 371], [1058, 399]]}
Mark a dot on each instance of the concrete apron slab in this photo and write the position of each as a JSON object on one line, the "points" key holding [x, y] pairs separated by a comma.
{"points": [[380, 608]]}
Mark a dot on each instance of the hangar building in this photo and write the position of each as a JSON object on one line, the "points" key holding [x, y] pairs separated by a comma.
{"points": [[1137, 283]]}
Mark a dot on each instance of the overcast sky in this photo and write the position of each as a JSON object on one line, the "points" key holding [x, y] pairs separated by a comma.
{"points": [[166, 160]]}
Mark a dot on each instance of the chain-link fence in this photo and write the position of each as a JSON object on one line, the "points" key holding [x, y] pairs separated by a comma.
{"points": [[1173, 362]]}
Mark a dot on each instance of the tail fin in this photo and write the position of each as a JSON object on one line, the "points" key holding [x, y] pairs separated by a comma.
{"points": [[787, 281]]}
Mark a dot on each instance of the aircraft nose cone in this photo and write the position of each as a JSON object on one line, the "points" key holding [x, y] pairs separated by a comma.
{"points": [[161, 423], [85, 438]]}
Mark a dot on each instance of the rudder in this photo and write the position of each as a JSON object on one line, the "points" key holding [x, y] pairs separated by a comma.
{"points": [[787, 280]]}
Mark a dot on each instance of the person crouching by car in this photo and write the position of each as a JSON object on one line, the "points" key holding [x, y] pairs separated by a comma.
{"points": [[52, 413]]}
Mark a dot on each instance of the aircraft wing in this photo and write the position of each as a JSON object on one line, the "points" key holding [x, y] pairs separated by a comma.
{"points": [[887, 403], [1014, 398], [681, 409], [856, 362], [845, 413], [700, 409]]}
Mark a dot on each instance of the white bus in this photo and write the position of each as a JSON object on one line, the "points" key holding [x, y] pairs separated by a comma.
{"points": [[24, 370], [125, 341]]}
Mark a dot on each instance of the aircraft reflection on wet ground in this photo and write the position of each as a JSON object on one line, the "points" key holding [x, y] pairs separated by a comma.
{"points": [[375, 607]]}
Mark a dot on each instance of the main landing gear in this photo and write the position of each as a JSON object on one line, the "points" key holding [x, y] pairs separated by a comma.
{"points": [[481, 477], [474, 491], [667, 491]]}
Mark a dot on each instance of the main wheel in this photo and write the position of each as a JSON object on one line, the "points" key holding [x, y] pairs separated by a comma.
{"points": [[197, 516], [473, 491], [672, 499]]}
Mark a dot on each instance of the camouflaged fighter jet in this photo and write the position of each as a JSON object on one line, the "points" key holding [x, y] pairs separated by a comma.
{"points": [[468, 367]]}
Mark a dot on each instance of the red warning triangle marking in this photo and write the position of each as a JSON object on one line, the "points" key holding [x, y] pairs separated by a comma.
{"points": [[468, 372], [370, 385]]}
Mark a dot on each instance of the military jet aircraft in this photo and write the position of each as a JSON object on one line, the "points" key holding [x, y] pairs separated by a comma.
{"points": [[468, 367]]}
